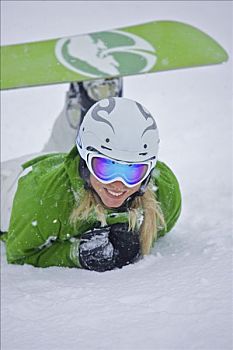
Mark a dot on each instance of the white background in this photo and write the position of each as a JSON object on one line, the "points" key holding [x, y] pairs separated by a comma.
{"points": [[179, 297]]}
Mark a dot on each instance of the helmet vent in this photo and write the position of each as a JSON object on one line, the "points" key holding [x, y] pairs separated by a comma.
{"points": [[104, 147], [92, 149]]}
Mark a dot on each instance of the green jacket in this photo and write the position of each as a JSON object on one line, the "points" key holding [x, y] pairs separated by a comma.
{"points": [[40, 233]]}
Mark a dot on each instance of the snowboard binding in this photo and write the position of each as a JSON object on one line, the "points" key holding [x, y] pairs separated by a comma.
{"points": [[82, 95]]}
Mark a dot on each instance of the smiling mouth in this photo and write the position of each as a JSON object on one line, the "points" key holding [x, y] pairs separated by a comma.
{"points": [[115, 194]]}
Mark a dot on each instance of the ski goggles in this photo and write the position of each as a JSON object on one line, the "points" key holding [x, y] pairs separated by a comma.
{"points": [[107, 170]]}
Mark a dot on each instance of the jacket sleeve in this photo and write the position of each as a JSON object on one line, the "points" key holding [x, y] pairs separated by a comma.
{"points": [[34, 235], [169, 196], [29, 247]]}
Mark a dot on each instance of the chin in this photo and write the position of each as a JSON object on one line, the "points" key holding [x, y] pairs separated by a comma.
{"points": [[113, 203]]}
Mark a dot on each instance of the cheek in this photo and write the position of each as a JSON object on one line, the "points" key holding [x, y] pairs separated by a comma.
{"points": [[99, 190], [134, 189], [97, 186]]}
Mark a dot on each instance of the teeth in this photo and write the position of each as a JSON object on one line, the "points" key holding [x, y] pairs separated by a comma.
{"points": [[116, 194]]}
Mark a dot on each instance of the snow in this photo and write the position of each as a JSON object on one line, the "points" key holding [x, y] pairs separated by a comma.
{"points": [[180, 296]]}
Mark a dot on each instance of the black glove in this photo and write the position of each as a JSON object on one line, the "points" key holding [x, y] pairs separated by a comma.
{"points": [[126, 244], [95, 251], [108, 247]]}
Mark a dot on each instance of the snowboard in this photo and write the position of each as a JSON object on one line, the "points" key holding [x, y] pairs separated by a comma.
{"points": [[145, 48]]}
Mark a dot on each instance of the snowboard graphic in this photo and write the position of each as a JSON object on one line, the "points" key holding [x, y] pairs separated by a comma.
{"points": [[145, 48]]}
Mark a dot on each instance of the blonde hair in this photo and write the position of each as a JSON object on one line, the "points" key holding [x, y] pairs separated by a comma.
{"points": [[144, 208]]}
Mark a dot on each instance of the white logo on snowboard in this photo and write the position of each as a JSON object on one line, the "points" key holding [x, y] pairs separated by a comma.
{"points": [[95, 55]]}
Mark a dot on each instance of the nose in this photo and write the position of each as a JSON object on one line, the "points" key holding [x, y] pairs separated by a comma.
{"points": [[117, 185]]}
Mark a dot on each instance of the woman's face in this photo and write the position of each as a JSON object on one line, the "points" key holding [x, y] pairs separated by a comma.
{"points": [[114, 194]]}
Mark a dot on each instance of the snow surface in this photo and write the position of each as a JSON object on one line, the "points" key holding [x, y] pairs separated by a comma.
{"points": [[179, 297]]}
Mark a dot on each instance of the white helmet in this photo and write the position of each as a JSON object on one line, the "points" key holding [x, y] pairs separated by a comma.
{"points": [[120, 129]]}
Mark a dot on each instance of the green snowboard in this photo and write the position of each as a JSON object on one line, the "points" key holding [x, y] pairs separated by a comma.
{"points": [[145, 48]]}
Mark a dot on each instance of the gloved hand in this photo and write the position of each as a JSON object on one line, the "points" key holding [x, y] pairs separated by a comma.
{"points": [[108, 247], [126, 244], [96, 251]]}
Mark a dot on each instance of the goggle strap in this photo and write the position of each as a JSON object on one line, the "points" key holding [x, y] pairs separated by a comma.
{"points": [[84, 173], [145, 183]]}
